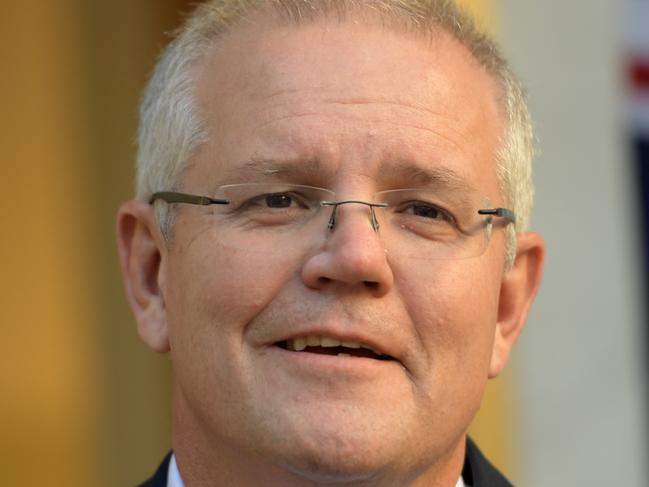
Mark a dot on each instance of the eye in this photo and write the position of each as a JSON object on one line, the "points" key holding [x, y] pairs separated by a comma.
{"points": [[428, 211], [279, 200], [290, 200]]}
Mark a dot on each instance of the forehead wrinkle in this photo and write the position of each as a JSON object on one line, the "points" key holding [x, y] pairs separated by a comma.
{"points": [[359, 100], [387, 120], [286, 117], [436, 133]]}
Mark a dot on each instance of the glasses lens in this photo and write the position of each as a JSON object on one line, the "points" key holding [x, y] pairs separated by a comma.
{"points": [[433, 224], [266, 206], [270, 218], [289, 219]]}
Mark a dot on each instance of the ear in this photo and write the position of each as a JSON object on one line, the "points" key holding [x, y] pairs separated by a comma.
{"points": [[141, 254], [517, 291]]}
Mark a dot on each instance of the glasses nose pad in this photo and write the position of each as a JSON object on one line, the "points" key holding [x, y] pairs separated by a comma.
{"points": [[374, 222], [489, 224], [332, 219]]}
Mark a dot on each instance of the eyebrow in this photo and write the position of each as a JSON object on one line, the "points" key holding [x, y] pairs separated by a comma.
{"points": [[401, 174], [262, 168], [434, 177]]}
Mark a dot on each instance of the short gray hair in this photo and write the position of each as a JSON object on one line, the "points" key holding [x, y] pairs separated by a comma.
{"points": [[171, 127]]}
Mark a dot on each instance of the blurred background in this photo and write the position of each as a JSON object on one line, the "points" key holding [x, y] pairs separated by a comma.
{"points": [[83, 402]]}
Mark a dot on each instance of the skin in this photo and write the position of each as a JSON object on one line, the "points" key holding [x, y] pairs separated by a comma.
{"points": [[352, 102]]}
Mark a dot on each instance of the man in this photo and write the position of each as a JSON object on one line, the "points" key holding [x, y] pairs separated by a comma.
{"points": [[330, 241]]}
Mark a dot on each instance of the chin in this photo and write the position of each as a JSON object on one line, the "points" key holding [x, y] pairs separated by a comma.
{"points": [[337, 456], [324, 467]]}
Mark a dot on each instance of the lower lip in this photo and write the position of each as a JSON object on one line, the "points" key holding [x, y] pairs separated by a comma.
{"points": [[333, 364]]}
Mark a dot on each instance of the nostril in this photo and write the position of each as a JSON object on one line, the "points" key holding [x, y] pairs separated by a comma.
{"points": [[371, 284]]}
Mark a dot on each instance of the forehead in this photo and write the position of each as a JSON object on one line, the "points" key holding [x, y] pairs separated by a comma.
{"points": [[348, 95]]}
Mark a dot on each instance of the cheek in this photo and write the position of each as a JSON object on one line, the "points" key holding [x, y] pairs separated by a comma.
{"points": [[212, 294], [453, 306], [215, 291]]}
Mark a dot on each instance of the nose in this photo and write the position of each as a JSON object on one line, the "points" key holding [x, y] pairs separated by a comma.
{"points": [[353, 255]]}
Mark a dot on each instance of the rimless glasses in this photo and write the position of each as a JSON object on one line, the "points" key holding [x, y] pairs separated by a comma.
{"points": [[416, 223]]}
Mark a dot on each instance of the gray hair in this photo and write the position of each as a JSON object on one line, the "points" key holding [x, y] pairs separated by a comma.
{"points": [[171, 128]]}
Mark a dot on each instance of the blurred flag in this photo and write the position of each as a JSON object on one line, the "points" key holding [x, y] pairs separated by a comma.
{"points": [[638, 71], [638, 42]]}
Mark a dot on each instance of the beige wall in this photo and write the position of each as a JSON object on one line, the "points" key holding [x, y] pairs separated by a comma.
{"points": [[582, 360], [49, 398], [83, 402]]}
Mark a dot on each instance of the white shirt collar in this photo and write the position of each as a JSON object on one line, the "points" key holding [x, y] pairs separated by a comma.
{"points": [[173, 476], [174, 480]]}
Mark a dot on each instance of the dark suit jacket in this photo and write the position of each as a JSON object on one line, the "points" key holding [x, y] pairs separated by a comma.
{"points": [[477, 472]]}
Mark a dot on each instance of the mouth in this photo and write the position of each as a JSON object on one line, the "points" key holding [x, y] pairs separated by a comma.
{"points": [[331, 346]]}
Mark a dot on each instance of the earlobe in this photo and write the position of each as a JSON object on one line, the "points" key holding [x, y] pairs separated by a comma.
{"points": [[518, 289], [141, 259]]}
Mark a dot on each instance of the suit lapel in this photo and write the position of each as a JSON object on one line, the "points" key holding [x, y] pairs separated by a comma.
{"points": [[159, 479], [478, 472]]}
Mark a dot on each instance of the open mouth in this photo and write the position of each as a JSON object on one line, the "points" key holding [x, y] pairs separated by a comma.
{"points": [[331, 346]]}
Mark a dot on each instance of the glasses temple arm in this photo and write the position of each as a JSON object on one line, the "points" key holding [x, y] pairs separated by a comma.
{"points": [[173, 197], [499, 212]]}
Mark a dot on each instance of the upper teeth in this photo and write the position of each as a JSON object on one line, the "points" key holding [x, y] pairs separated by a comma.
{"points": [[300, 343]]}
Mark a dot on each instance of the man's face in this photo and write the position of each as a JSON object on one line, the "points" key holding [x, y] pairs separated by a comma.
{"points": [[363, 108]]}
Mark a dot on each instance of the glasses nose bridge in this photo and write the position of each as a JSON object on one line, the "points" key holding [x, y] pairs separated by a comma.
{"points": [[331, 224]]}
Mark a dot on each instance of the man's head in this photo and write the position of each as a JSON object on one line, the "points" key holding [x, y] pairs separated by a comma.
{"points": [[356, 98], [172, 128]]}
